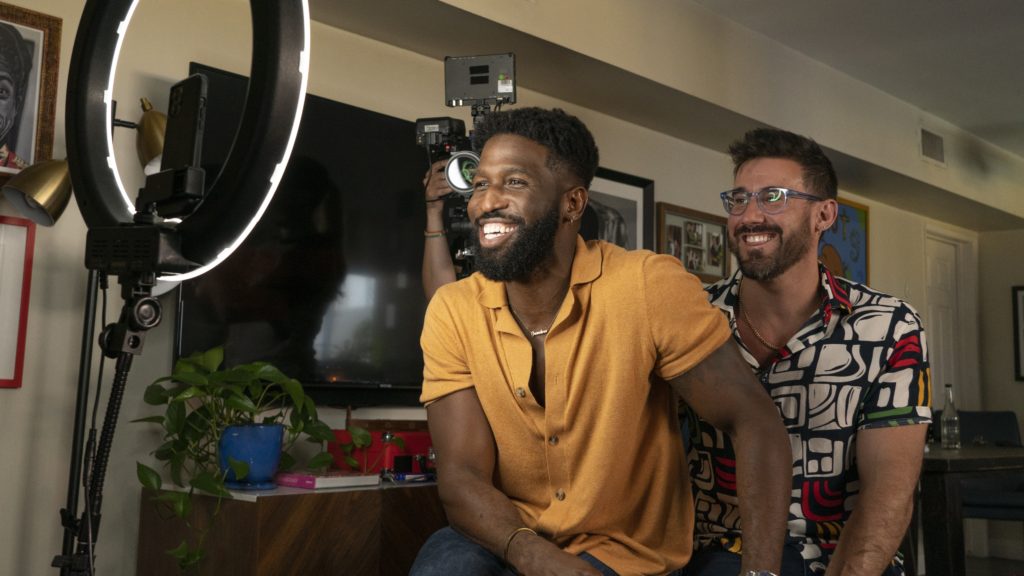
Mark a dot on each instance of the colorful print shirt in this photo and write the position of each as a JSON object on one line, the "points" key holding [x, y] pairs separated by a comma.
{"points": [[859, 362]]}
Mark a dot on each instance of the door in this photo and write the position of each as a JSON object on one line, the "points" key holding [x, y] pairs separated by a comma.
{"points": [[951, 328]]}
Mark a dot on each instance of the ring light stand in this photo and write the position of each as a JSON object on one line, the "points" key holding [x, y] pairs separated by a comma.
{"points": [[222, 220]]}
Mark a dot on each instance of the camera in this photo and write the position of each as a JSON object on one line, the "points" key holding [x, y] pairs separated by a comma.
{"points": [[482, 82], [442, 137]]}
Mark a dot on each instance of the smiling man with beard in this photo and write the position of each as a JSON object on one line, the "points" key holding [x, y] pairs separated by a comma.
{"points": [[549, 377], [846, 366]]}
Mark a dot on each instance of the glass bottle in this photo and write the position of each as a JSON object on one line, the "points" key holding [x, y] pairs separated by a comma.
{"points": [[950, 422]]}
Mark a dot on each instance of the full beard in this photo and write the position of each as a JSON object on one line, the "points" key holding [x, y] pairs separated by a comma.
{"points": [[519, 259], [759, 266]]}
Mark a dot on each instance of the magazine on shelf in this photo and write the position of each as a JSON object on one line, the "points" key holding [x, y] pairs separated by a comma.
{"points": [[315, 480]]}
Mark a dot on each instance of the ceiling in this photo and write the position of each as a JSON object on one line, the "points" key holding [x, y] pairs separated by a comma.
{"points": [[957, 59], [963, 83]]}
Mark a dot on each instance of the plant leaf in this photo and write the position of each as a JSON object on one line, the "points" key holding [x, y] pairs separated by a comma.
{"points": [[240, 468], [147, 476], [180, 552], [295, 393], [320, 431], [211, 484], [321, 460], [212, 358], [180, 502], [174, 418], [155, 395], [352, 462], [241, 403], [397, 441], [287, 462], [153, 419], [191, 378], [270, 373], [361, 437]]}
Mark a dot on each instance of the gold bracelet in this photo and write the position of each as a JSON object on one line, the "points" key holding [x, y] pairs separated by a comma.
{"points": [[508, 541], [433, 233]]}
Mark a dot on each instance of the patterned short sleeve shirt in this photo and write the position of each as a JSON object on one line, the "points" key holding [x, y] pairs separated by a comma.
{"points": [[860, 362]]}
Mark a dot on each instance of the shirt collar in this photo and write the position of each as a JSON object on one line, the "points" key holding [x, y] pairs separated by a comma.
{"points": [[837, 292], [586, 267]]}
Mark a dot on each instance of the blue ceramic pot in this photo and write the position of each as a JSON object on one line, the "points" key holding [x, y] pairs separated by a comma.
{"points": [[259, 445]]}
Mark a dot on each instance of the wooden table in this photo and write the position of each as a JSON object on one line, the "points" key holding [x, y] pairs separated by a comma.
{"points": [[941, 513], [353, 531]]}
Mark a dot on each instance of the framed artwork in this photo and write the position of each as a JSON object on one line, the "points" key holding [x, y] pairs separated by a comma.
{"points": [[843, 248], [1018, 335], [17, 237], [620, 210], [698, 239], [30, 57]]}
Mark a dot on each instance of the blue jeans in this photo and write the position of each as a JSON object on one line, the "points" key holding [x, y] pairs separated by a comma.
{"points": [[448, 553], [719, 562]]}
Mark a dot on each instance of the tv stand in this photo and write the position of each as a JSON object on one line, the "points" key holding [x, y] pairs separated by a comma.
{"points": [[354, 531]]}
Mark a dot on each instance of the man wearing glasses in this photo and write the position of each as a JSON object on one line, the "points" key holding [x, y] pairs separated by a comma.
{"points": [[846, 366]]}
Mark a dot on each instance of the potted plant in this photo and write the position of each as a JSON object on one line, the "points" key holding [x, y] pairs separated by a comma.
{"points": [[200, 400]]}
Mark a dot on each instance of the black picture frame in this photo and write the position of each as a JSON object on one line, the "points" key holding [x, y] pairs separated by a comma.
{"points": [[624, 205], [1018, 336]]}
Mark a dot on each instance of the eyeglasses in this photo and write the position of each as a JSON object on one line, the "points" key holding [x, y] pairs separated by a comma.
{"points": [[770, 200]]}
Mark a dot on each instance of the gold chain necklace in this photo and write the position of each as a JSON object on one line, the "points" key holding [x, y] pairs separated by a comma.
{"points": [[533, 333], [746, 319]]}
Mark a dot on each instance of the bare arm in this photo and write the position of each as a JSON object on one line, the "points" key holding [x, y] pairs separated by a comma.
{"points": [[722, 391], [888, 464], [465, 464], [438, 269]]}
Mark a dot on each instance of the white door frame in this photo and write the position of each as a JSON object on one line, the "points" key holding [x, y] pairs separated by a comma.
{"points": [[968, 377]]}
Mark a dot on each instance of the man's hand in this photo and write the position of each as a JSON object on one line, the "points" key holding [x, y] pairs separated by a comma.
{"points": [[888, 464], [435, 185], [532, 555]]}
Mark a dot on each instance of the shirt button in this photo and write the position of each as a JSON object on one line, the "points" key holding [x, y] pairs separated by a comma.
{"points": [[521, 392], [553, 440], [559, 494]]}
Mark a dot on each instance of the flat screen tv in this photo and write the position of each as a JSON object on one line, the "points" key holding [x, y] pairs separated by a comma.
{"points": [[327, 286]]}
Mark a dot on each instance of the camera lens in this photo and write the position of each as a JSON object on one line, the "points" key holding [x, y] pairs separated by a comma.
{"points": [[460, 170]]}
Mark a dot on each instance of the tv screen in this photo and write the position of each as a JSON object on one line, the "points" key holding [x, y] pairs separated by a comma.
{"points": [[327, 287]]}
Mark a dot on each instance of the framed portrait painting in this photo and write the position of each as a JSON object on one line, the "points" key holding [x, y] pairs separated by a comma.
{"points": [[29, 62], [620, 210], [843, 248], [697, 238]]}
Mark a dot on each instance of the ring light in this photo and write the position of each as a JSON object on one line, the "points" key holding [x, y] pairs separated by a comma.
{"points": [[263, 143]]}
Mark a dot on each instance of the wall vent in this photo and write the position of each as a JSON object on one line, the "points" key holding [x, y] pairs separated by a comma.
{"points": [[933, 147]]}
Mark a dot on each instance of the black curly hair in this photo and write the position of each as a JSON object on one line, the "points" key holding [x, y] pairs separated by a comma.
{"points": [[567, 139], [818, 173]]}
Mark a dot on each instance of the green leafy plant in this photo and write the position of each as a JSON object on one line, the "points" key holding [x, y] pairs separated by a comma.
{"points": [[200, 399], [360, 440]]}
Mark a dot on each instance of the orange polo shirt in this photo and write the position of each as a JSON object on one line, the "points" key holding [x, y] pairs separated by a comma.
{"points": [[600, 468]]}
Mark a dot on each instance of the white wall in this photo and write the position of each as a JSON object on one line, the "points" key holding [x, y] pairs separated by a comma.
{"points": [[35, 421], [1001, 267]]}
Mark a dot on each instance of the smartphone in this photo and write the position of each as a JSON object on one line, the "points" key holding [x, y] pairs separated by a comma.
{"points": [[186, 115]]}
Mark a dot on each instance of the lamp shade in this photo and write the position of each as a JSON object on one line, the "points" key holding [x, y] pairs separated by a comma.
{"points": [[41, 191], [149, 133]]}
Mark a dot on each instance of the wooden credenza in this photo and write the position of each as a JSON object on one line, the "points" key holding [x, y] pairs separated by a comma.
{"points": [[351, 532]]}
